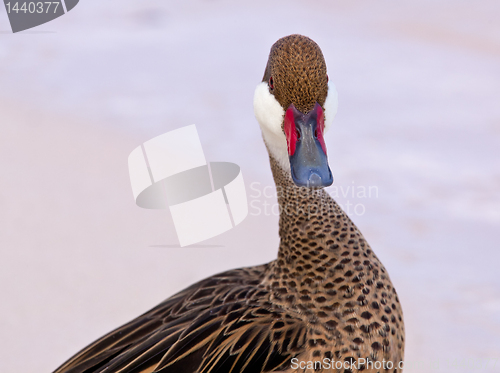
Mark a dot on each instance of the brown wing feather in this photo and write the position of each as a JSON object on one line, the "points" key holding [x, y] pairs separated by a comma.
{"points": [[213, 326], [236, 338]]}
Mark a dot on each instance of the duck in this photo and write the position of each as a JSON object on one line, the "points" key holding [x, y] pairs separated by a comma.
{"points": [[326, 304]]}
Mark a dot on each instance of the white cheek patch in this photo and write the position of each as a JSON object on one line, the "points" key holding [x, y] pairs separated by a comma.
{"points": [[268, 110], [270, 114], [331, 105]]}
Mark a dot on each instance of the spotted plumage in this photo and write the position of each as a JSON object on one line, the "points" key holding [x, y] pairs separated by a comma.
{"points": [[326, 296], [298, 70]]}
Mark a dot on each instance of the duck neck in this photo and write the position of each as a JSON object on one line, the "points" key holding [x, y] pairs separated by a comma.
{"points": [[317, 239]]}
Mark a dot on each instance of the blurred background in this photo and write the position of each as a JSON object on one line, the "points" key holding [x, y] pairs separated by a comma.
{"points": [[418, 122]]}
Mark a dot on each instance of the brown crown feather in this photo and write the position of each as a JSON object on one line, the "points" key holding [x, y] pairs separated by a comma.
{"points": [[298, 70]]}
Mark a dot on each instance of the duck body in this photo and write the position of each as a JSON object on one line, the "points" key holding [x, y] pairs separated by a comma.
{"points": [[326, 304]]}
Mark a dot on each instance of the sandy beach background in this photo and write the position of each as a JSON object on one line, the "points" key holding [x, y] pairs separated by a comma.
{"points": [[418, 121]]}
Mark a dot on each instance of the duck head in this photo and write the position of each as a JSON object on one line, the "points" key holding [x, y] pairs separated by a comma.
{"points": [[295, 105]]}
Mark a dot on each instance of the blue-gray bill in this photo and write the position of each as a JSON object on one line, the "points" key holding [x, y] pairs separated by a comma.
{"points": [[309, 163]]}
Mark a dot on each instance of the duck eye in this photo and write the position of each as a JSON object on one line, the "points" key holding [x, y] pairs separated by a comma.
{"points": [[271, 83], [316, 134], [298, 134]]}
